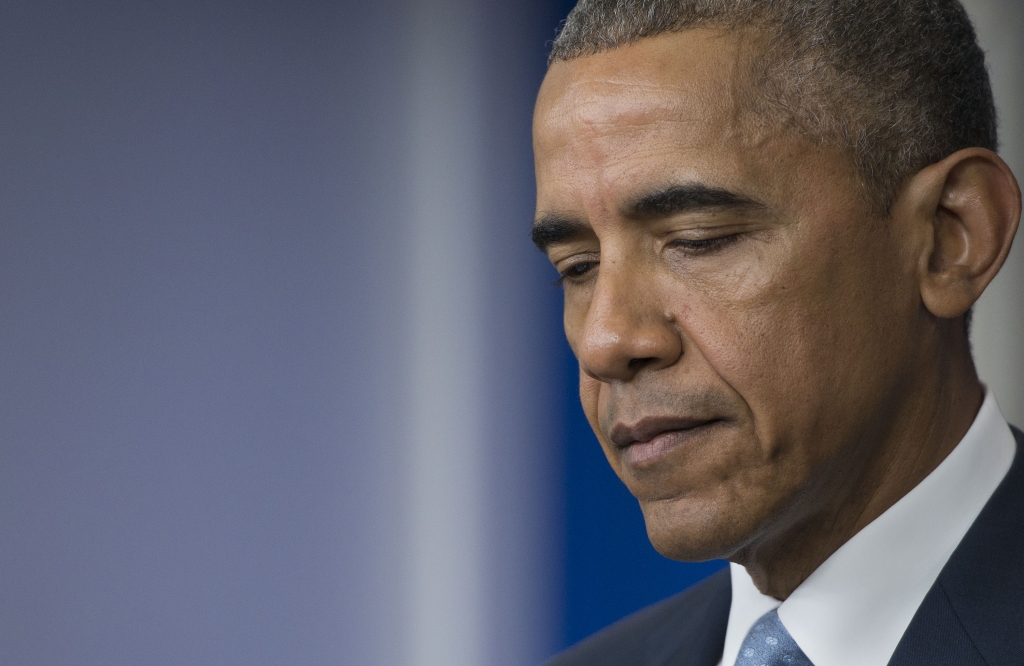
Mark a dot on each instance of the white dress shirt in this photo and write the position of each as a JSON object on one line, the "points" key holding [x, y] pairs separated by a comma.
{"points": [[855, 607]]}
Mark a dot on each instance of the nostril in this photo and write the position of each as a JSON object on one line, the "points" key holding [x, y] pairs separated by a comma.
{"points": [[637, 363]]}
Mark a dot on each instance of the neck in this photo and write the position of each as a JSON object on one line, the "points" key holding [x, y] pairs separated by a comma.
{"points": [[936, 409]]}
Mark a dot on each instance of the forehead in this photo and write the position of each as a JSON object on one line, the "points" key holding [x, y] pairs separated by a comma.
{"points": [[667, 73], [670, 107]]}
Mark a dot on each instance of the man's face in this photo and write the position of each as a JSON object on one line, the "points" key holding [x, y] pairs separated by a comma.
{"points": [[738, 315]]}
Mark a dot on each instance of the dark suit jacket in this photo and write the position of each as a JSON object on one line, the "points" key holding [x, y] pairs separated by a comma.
{"points": [[972, 616]]}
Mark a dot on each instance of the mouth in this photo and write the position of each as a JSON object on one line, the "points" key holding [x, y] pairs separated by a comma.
{"points": [[652, 439]]}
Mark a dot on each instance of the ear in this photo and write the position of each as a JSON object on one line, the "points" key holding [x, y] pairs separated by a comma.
{"points": [[967, 208]]}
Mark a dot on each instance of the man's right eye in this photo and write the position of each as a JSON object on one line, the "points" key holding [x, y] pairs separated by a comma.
{"points": [[576, 272]]}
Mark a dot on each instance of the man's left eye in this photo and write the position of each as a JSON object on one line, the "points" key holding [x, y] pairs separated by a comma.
{"points": [[704, 245]]}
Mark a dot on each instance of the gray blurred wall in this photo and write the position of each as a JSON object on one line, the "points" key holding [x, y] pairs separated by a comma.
{"points": [[998, 335], [272, 335]]}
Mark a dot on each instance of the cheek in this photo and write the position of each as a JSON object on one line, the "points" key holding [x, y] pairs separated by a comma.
{"points": [[756, 350], [746, 316], [765, 331], [802, 340], [590, 398]]}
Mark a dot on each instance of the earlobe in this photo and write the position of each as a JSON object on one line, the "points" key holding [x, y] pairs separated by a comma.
{"points": [[975, 206]]}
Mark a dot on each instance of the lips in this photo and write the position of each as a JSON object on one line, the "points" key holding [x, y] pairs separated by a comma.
{"points": [[651, 439]]}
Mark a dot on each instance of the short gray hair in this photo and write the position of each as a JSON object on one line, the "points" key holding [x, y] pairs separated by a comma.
{"points": [[898, 84]]}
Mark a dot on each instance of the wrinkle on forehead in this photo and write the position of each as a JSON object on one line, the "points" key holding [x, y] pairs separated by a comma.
{"points": [[593, 108], [698, 77]]}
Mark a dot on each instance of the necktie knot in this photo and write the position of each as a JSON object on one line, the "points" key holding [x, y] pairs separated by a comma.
{"points": [[769, 644]]}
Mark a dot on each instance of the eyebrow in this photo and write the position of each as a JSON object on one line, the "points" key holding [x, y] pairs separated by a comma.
{"points": [[551, 229], [687, 198]]}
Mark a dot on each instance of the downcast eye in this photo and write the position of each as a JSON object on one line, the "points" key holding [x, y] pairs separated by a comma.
{"points": [[704, 245], [576, 272]]}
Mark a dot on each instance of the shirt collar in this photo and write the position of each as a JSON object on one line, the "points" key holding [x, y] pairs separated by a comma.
{"points": [[873, 585]]}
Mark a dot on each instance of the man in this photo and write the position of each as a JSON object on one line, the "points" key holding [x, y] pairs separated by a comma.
{"points": [[771, 220]]}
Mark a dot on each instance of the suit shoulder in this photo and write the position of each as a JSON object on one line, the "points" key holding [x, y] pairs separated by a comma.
{"points": [[696, 617]]}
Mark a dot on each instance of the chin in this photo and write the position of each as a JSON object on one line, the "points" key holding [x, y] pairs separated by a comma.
{"points": [[688, 531]]}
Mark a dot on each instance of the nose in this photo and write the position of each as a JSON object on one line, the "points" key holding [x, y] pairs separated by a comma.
{"points": [[627, 328]]}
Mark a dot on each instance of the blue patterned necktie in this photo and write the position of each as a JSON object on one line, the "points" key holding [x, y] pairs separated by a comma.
{"points": [[769, 644]]}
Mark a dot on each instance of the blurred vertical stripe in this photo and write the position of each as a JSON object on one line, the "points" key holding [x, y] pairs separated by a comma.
{"points": [[483, 436], [447, 372]]}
